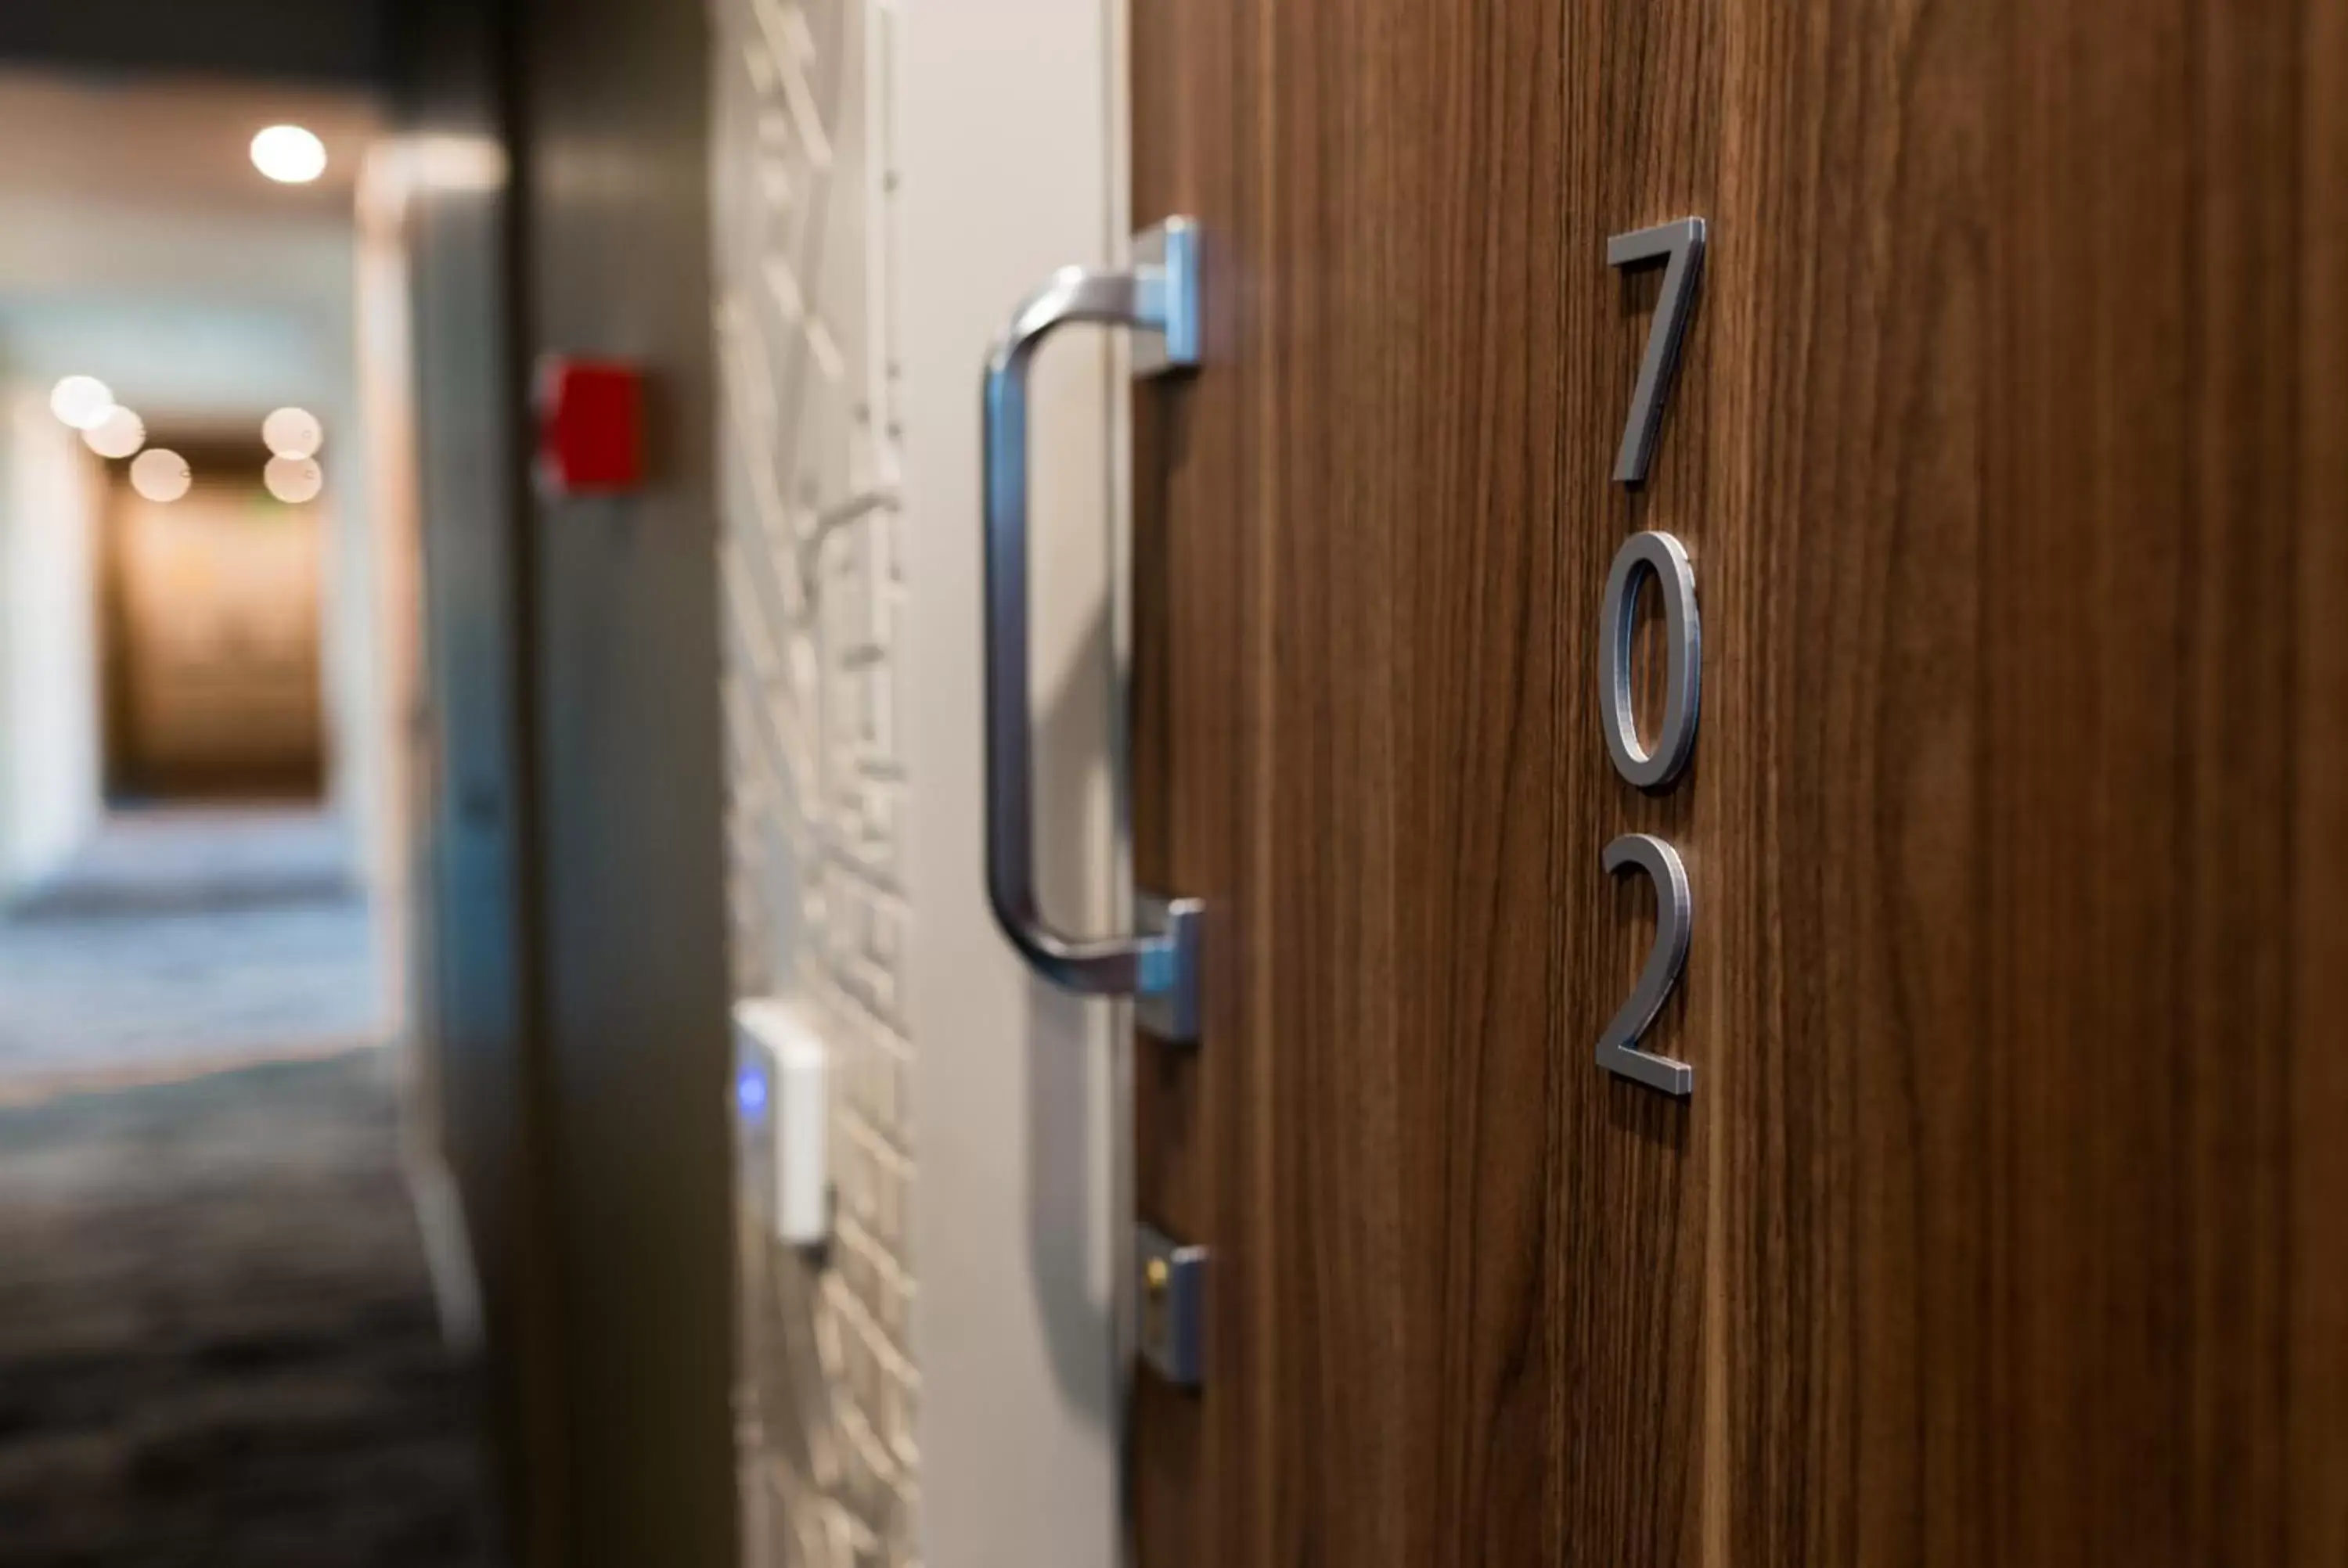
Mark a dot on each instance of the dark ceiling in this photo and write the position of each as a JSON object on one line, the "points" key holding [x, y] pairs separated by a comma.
{"points": [[339, 42]]}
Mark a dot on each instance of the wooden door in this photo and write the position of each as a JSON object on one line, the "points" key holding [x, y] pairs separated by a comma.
{"points": [[215, 662], [2009, 445]]}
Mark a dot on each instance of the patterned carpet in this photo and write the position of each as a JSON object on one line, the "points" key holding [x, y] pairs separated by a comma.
{"points": [[218, 1343]]}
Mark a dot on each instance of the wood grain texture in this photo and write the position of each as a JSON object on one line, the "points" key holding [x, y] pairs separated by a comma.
{"points": [[2011, 444], [2011, 756]]}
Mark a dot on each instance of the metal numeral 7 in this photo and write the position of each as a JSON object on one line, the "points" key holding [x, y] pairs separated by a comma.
{"points": [[1682, 244]]}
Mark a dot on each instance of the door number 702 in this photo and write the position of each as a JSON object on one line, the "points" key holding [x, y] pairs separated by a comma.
{"points": [[1680, 248]]}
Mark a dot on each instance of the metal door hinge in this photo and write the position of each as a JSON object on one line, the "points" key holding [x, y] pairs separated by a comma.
{"points": [[1173, 1296]]}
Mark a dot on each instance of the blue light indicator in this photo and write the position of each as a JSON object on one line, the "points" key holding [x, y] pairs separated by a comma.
{"points": [[750, 1094]]}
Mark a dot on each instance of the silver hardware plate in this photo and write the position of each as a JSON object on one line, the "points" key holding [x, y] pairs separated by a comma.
{"points": [[1170, 1012], [1166, 256], [1173, 1296]]}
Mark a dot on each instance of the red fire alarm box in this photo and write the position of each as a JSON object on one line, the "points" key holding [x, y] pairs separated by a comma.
{"points": [[591, 426]]}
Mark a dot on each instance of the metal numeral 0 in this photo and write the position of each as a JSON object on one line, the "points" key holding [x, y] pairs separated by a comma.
{"points": [[1679, 245], [1667, 558]]}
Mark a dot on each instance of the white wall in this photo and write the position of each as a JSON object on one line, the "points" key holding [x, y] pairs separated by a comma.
{"points": [[361, 725], [1012, 166], [817, 602], [378, 460], [49, 707]]}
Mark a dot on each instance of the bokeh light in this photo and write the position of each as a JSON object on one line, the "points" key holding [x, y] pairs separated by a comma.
{"points": [[289, 155], [119, 434], [161, 474], [293, 480], [81, 401], [292, 433]]}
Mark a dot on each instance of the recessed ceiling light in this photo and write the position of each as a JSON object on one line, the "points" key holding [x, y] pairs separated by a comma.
{"points": [[161, 474], [289, 155], [293, 480], [292, 433], [81, 401], [119, 434]]}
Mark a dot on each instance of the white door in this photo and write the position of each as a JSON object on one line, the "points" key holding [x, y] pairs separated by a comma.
{"points": [[1013, 161]]}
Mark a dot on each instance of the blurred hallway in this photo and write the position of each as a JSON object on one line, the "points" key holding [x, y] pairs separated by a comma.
{"points": [[217, 1342]]}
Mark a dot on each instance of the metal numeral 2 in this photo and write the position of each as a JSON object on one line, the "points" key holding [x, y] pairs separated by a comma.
{"points": [[1680, 246]]}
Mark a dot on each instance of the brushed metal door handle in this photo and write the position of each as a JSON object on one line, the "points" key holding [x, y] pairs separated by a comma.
{"points": [[1157, 299]]}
